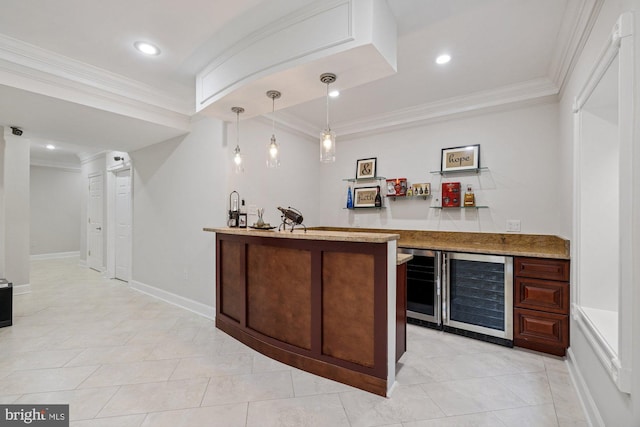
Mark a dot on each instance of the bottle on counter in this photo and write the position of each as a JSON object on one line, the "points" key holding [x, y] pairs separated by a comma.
{"points": [[378, 201], [409, 192], [349, 199], [469, 197]]}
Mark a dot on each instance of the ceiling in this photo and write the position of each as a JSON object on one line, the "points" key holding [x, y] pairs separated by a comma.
{"points": [[69, 74]]}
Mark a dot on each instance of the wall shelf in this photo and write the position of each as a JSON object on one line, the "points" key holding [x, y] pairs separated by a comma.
{"points": [[466, 171], [356, 180], [365, 207], [459, 207]]}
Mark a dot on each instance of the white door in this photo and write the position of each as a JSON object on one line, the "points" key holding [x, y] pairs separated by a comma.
{"points": [[123, 224], [94, 227]]}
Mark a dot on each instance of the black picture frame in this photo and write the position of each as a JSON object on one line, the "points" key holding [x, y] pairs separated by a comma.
{"points": [[364, 197], [463, 158], [366, 168], [242, 220]]}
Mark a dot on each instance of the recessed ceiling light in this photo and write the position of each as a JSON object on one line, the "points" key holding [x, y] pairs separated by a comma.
{"points": [[334, 93], [443, 59], [50, 147], [147, 48]]}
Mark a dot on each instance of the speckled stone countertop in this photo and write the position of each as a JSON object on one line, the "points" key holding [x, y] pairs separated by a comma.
{"points": [[530, 245], [402, 258], [380, 236]]}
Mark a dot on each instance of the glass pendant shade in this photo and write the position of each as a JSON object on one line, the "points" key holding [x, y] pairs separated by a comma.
{"points": [[327, 146], [238, 165], [327, 136], [273, 151], [273, 156]]}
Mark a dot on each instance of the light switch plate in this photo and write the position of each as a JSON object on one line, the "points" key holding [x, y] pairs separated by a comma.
{"points": [[513, 225]]}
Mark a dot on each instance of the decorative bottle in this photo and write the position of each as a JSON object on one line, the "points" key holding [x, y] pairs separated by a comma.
{"points": [[378, 201], [349, 199], [469, 197]]}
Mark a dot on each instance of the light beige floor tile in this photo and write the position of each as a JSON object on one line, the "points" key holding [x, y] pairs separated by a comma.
{"points": [[485, 419], [568, 422], [532, 388], [315, 411], [43, 380], [126, 421], [530, 416], [247, 388], [469, 396], [306, 384], [568, 406], [154, 397], [5, 400], [97, 339], [38, 359], [178, 349], [131, 373], [408, 403], [265, 364], [83, 404], [215, 365], [107, 355], [210, 416]]}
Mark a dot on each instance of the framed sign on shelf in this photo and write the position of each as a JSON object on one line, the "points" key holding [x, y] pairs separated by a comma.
{"points": [[364, 197], [460, 158], [366, 168]]}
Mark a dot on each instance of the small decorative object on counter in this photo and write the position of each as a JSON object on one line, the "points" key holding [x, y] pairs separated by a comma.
{"points": [[242, 220], [234, 210], [260, 222], [409, 192], [450, 194], [349, 199], [378, 201], [292, 217], [469, 197]]}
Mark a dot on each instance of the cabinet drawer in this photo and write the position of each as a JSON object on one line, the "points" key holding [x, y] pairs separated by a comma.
{"points": [[536, 330], [541, 268], [541, 295]]}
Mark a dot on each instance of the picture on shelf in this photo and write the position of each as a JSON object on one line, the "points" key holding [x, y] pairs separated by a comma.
{"points": [[422, 189], [366, 168], [364, 197], [397, 187], [460, 158], [242, 220]]}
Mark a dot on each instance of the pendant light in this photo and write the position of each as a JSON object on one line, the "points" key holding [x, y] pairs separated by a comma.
{"points": [[327, 137], [237, 157], [273, 155]]}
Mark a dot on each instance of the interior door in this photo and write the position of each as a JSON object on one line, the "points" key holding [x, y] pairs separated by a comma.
{"points": [[123, 224], [95, 233]]}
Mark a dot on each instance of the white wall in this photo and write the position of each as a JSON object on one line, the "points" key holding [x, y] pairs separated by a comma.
{"points": [[55, 210], [606, 404], [183, 185], [519, 146]]}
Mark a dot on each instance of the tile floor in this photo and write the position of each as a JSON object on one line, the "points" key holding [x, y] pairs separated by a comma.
{"points": [[123, 359]]}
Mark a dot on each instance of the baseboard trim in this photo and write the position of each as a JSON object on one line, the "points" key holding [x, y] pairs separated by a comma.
{"points": [[188, 304], [22, 289], [586, 399], [55, 255], [83, 263]]}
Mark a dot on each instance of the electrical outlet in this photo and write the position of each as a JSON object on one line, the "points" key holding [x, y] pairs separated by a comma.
{"points": [[513, 225]]}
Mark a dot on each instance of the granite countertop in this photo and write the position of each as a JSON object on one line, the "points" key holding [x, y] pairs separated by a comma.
{"points": [[312, 234], [402, 258], [512, 244]]}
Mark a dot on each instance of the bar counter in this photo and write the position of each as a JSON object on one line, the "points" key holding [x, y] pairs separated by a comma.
{"points": [[321, 301]]}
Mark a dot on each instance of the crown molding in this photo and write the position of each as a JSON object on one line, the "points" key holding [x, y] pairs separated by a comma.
{"points": [[67, 167], [31, 68], [504, 98], [572, 38], [90, 157]]}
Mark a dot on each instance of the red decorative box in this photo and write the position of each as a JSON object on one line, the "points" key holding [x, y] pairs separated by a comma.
{"points": [[450, 194], [397, 187]]}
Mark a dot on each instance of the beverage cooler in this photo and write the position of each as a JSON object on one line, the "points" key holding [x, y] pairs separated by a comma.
{"points": [[467, 294]]}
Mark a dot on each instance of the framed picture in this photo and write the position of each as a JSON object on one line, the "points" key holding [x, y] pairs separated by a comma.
{"points": [[366, 168], [364, 197], [460, 158], [242, 220]]}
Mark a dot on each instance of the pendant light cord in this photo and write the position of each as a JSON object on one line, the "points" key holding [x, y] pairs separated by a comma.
{"points": [[273, 119], [328, 128]]}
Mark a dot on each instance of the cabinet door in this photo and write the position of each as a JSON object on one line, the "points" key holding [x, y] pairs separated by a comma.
{"points": [[541, 268], [536, 330], [543, 295]]}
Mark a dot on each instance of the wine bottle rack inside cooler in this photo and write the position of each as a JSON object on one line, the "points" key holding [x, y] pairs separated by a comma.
{"points": [[480, 294]]}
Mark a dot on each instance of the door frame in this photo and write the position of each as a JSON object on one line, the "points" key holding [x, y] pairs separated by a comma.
{"points": [[101, 268], [111, 219]]}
